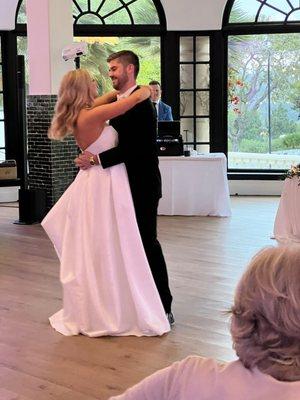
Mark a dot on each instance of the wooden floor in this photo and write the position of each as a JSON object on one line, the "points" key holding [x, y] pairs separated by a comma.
{"points": [[205, 258]]}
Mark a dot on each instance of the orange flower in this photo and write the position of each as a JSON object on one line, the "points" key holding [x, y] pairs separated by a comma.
{"points": [[235, 100]]}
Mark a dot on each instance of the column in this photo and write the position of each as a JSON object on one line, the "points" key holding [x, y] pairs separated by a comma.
{"points": [[49, 28]]}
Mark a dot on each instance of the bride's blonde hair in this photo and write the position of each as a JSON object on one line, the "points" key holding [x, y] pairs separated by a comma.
{"points": [[75, 93]]}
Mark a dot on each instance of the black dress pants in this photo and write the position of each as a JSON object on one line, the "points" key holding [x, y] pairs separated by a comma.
{"points": [[146, 214]]}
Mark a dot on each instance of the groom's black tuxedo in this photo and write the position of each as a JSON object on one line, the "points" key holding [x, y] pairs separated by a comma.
{"points": [[137, 149]]}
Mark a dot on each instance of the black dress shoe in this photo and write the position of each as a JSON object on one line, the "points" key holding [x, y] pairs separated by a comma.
{"points": [[170, 317]]}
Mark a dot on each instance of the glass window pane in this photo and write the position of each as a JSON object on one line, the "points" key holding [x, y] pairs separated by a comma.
{"points": [[202, 130], [186, 49], [295, 16], [89, 19], [202, 48], [109, 6], [263, 105], [282, 5], [202, 103], [186, 103], [268, 14], [187, 129], [22, 51], [144, 12], [94, 5], [202, 148], [2, 138], [186, 76], [1, 107], [83, 4], [0, 51], [202, 76], [1, 80], [244, 11], [22, 19], [119, 18]]}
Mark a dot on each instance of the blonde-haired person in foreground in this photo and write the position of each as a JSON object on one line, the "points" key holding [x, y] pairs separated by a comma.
{"points": [[108, 288], [265, 329]]}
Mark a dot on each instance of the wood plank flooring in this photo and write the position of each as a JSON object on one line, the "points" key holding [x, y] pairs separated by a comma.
{"points": [[205, 257]]}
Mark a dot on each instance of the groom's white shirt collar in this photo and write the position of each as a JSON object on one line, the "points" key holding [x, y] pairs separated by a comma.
{"points": [[127, 93]]}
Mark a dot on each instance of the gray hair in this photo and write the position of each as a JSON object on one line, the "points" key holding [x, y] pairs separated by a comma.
{"points": [[265, 321]]}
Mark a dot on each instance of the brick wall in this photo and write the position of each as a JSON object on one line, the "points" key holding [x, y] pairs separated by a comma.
{"points": [[51, 165]]}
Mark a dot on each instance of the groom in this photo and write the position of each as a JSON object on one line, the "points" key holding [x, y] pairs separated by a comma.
{"points": [[137, 149]]}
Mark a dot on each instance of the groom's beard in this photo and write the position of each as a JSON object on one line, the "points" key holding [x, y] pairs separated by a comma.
{"points": [[119, 83]]}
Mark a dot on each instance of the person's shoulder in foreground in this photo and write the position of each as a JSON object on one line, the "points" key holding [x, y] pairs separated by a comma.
{"points": [[197, 378]]}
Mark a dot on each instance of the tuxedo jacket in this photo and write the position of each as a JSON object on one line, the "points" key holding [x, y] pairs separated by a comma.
{"points": [[164, 112], [137, 131]]}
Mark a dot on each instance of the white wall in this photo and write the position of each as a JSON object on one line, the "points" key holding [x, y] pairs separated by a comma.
{"points": [[188, 15], [7, 14], [49, 30], [253, 188]]}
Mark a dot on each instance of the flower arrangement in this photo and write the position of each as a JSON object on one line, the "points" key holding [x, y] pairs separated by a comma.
{"points": [[293, 171], [234, 85]]}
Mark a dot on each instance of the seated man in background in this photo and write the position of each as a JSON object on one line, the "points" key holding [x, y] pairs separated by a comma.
{"points": [[265, 330], [163, 111]]}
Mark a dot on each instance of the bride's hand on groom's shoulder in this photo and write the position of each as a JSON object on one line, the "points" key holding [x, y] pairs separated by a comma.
{"points": [[143, 92], [147, 88]]}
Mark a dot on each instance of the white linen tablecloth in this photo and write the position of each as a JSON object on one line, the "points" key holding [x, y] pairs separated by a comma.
{"points": [[194, 185], [287, 221]]}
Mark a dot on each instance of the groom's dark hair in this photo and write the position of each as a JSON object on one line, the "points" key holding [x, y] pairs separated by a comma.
{"points": [[126, 57]]}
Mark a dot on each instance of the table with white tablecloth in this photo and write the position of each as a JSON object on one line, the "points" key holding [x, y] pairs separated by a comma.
{"points": [[287, 221], [194, 185]]}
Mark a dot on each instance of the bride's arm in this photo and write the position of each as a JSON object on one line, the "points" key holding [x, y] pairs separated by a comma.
{"points": [[109, 111], [105, 98]]}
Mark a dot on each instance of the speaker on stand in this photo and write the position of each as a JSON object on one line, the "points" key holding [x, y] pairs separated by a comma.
{"points": [[32, 202]]}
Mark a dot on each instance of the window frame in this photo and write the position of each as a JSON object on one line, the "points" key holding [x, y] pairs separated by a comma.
{"points": [[2, 93], [171, 81], [195, 90]]}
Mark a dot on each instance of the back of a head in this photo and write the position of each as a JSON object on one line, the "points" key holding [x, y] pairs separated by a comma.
{"points": [[265, 324], [126, 57], [74, 94], [154, 83]]}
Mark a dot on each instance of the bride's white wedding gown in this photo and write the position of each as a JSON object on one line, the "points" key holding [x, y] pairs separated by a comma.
{"points": [[108, 288]]}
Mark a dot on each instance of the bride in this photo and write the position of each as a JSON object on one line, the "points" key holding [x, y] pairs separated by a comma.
{"points": [[108, 288]]}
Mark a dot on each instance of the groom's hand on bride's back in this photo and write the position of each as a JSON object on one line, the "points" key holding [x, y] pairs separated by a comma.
{"points": [[86, 160]]}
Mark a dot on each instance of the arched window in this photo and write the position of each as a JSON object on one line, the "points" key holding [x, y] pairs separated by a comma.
{"points": [[109, 12], [265, 11], [263, 115], [112, 12]]}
